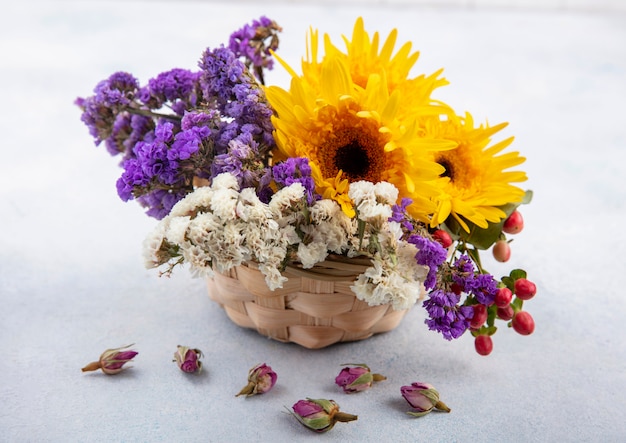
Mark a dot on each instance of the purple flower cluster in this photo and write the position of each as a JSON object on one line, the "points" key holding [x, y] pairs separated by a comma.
{"points": [[104, 113], [482, 286], [296, 170], [249, 43], [399, 214], [237, 97], [446, 316], [431, 254], [162, 171], [243, 161], [178, 88], [183, 124]]}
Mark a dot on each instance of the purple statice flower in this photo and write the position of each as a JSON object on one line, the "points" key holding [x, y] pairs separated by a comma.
{"points": [[118, 90], [430, 253], [482, 286], [249, 43], [178, 88], [446, 315], [244, 162], [161, 201], [399, 214], [162, 170], [227, 84], [111, 97], [296, 170]]}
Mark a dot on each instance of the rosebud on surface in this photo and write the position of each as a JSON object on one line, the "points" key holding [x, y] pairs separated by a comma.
{"points": [[423, 397], [261, 379], [112, 360], [357, 378], [320, 415], [188, 359]]}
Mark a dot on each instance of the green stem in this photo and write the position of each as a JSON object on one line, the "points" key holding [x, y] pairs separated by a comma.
{"points": [[148, 113]]}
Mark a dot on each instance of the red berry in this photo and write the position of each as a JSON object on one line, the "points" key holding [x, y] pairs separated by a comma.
{"points": [[503, 297], [505, 313], [523, 323], [525, 289], [456, 288], [514, 223], [501, 251], [480, 316], [443, 238], [483, 344]]}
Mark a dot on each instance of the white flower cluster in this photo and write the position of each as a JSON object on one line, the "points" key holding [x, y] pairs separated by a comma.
{"points": [[218, 227], [394, 276]]}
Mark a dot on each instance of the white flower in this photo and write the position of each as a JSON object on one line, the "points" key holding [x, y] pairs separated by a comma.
{"points": [[225, 181], [199, 198], [386, 193], [311, 254], [177, 229], [286, 198], [152, 245]]}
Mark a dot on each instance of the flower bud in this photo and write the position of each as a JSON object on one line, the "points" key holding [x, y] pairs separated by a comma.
{"points": [[261, 379], [112, 360], [320, 415], [357, 378], [423, 397], [188, 359]]}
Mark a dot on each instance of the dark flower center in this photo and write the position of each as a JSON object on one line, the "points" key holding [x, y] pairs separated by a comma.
{"points": [[353, 160], [449, 171], [357, 151]]}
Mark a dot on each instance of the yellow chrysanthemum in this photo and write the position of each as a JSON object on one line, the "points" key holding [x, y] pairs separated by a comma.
{"points": [[476, 179], [345, 116]]}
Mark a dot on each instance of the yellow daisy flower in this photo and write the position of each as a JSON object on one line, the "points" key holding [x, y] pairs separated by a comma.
{"points": [[476, 179], [356, 116]]}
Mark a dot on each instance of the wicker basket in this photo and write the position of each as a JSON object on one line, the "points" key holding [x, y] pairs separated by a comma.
{"points": [[315, 308]]}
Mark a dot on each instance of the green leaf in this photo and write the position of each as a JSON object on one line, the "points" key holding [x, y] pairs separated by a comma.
{"points": [[517, 273], [483, 238]]}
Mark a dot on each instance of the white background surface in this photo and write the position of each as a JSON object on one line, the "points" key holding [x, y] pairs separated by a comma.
{"points": [[72, 281]]}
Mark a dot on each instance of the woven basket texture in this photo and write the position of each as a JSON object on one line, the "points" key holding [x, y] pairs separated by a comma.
{"points": [[315, 308]]}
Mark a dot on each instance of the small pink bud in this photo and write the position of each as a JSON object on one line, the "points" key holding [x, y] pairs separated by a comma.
{"points": [[422, 397], [188, 359], [112, 360], [357, 378], [320, 415], [261, 379]]}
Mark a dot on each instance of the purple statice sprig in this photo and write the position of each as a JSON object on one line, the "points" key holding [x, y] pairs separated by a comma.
{"points": [[430, 253], [399, 214], [254, 44], [482, 286], [296, 170], [447, 315], [171, 130]]}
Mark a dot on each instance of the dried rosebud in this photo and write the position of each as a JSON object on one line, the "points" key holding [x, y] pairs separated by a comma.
{"points": [[423, 397], [357, 378], [261, 379], [112, 360], [320, 415], [188, 359]]}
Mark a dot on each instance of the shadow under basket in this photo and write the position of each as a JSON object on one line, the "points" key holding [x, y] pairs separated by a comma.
{"points": [[315, 308]]}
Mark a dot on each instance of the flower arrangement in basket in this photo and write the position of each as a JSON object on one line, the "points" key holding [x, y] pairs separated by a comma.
{"points": [[323, 212]]}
